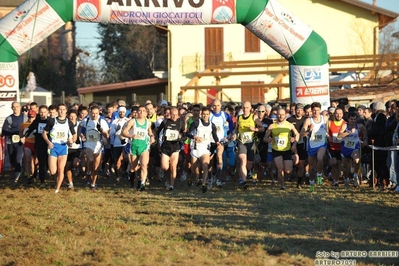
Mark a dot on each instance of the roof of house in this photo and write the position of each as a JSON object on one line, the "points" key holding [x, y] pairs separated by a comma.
{"points": [[372, 8], [367, 93], [124, 85]]}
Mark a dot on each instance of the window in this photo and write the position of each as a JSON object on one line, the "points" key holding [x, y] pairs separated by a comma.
{"points": [[252, 42]]}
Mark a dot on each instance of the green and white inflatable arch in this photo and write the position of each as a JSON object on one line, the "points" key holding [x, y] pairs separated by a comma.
{"points": [[305, 50]]}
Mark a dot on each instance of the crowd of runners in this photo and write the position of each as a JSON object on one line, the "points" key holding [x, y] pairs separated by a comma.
{"points": [[203, 145]]}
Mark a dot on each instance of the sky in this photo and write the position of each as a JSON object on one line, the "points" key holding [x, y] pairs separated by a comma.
{"points": [[87, 36]]}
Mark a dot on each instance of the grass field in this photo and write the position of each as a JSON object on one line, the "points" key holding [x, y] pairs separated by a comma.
{"points": [[117, 225]]}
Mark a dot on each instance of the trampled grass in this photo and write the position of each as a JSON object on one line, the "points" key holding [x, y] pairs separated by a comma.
{"points": [[117, 225]]}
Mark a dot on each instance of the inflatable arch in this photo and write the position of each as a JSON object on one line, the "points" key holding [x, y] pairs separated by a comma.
{"points": [[305, 50]]}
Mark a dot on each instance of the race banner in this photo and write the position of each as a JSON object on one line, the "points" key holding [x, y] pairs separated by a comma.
{"points": [[8, 88], [29, 24], [159, 12]]}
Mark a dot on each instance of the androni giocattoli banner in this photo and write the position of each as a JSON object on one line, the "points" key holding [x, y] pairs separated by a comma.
{"points": [[305, 50]]}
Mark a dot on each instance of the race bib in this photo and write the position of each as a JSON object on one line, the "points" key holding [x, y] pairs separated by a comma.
{"points": [[172, 135], [40, 127], [280, 142], [204, 137], [93, 135], [350, 144], [335, 138], [141, 133], [59, 135], [317, 137], [15, 138], [246, 137]]}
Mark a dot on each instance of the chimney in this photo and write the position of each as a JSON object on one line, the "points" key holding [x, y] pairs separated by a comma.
{"points": [[374, 2]]}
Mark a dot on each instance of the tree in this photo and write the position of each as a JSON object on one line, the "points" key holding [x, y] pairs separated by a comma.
{"points": [[129, 50]]}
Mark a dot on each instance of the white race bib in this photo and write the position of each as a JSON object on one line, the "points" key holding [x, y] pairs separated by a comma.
{"points": [[172, 135], [59, 135], [281, 142], [246, 137], [140, 133], [15, 138]]}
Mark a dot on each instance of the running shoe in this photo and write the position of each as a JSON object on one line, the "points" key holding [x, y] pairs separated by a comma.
{"points": [[346, 181], [355, 180], [70, 186], [255, 177], [218, 183], [161, 174], [311, 184], [183, 176], [319, 179], [142, 187], [171, 188], [204, 188], [88, 179], [210, 183]]}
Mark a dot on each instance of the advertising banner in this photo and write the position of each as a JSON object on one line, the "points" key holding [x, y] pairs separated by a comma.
{"points": [[29, 24], [280, 29], [8, 88], [310, 84], [159, 12]]}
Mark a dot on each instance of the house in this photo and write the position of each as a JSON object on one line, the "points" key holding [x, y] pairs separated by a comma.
{"points": [[348, 27]]}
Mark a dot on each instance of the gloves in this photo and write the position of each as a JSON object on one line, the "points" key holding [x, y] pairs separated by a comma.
{"points": [[98, 126]]}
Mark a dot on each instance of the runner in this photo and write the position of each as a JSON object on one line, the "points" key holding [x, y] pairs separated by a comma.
{"points": [[61, 134], [224, 127], [37, 127], [29, 147], [189, 119], [11, 130], [201, 133], [316, 127], [298, 119], [116, 143], [172, 130], [350, 147], [335, 144], [95, 130], [73, 158], [279, 135], [141, 138], [246, 126]]}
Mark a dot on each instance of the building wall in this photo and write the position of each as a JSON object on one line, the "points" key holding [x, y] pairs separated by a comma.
{"points": [[347, 30]]}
